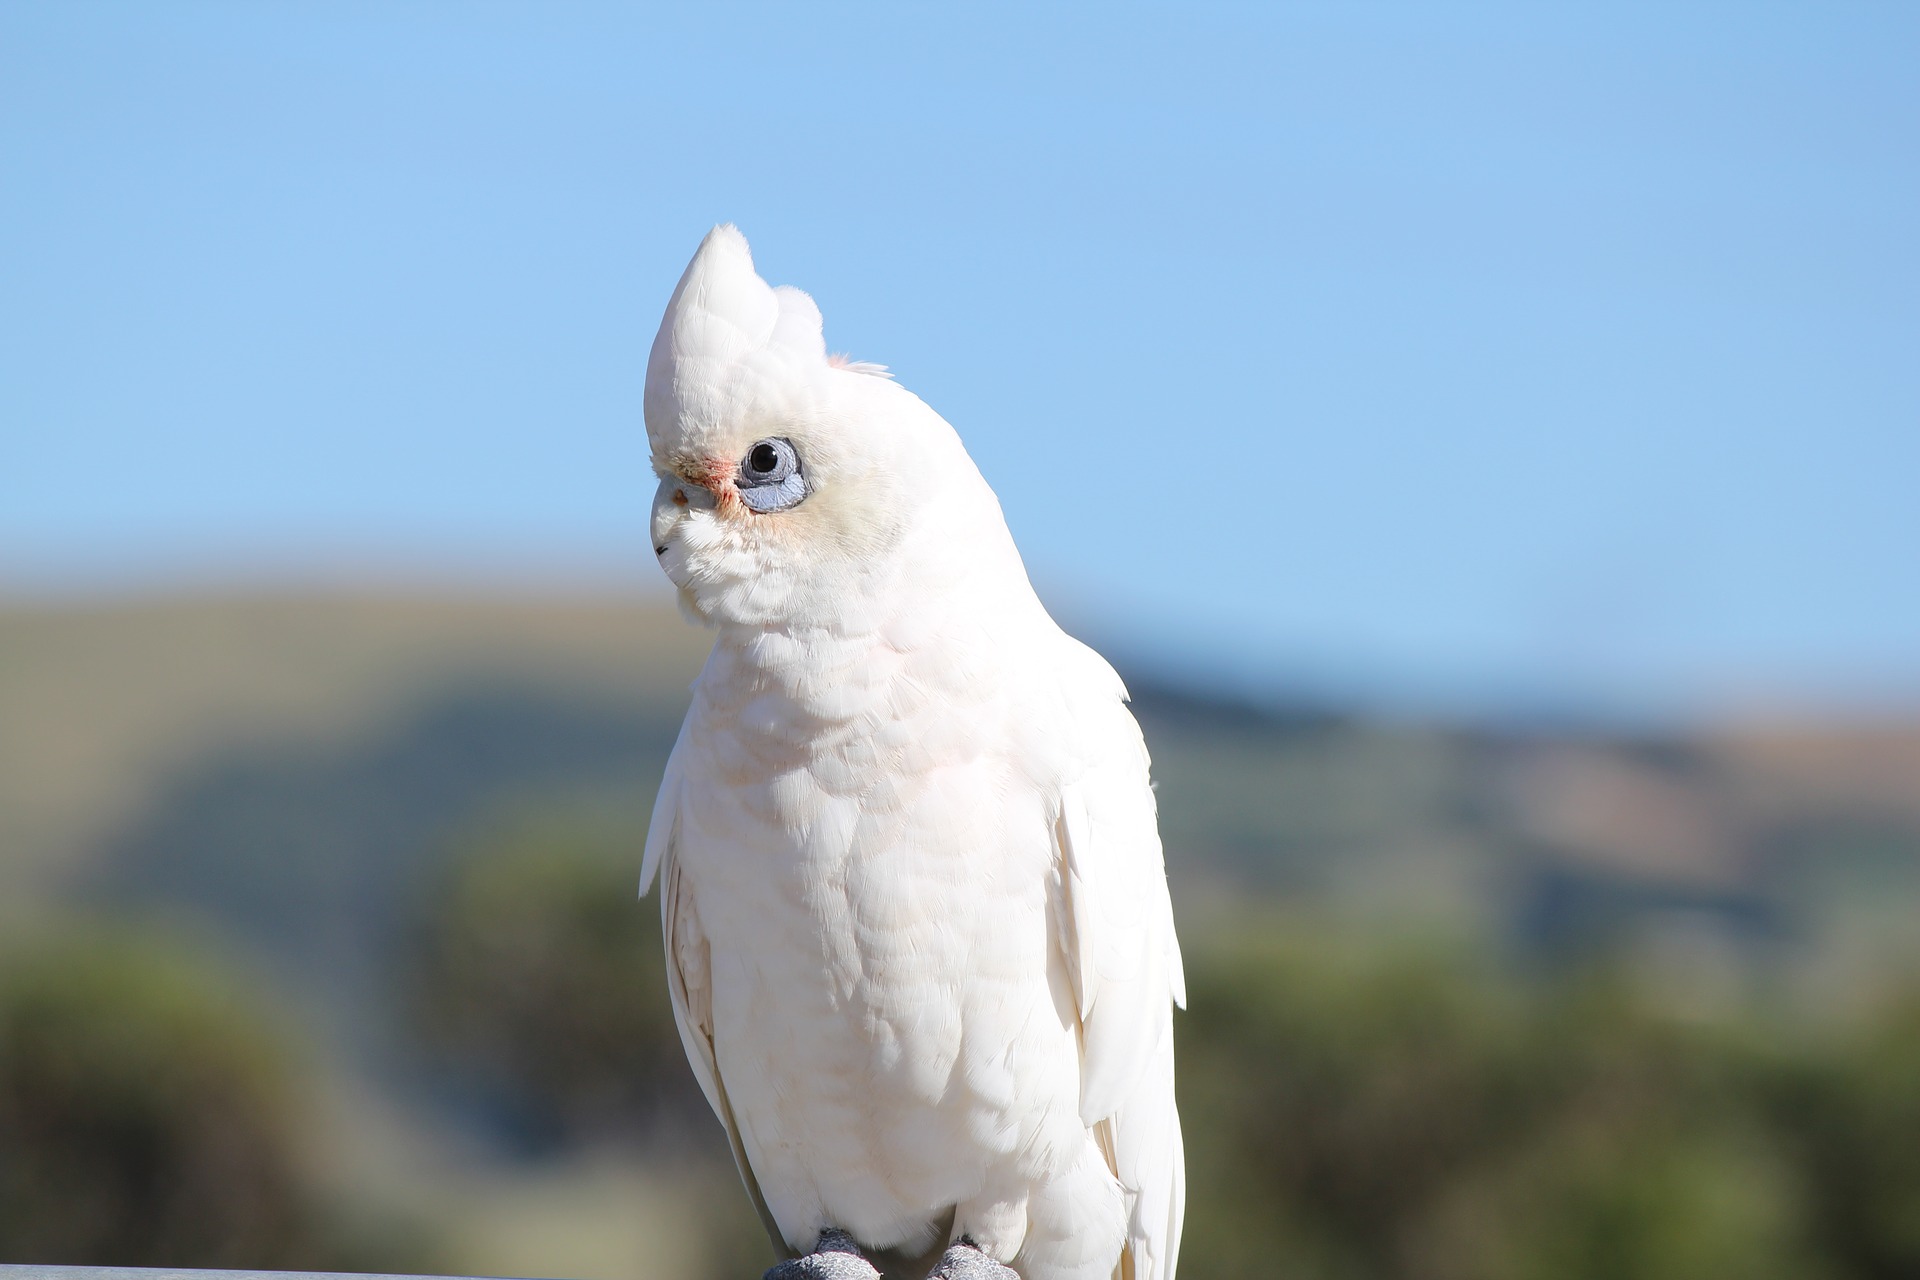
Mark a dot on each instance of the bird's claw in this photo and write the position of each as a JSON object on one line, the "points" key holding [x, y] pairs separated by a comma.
{"points": [[964, 1260], [835, 1257]]}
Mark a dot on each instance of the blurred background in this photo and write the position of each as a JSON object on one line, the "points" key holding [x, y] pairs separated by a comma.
{"points": [[1486, 437]]}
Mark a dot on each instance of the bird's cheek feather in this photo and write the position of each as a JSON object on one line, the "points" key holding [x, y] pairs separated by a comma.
{"points": [[713, 485]]}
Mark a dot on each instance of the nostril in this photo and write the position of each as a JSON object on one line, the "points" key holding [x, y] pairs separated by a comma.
{"points": [[679, 497], [659, 551]]}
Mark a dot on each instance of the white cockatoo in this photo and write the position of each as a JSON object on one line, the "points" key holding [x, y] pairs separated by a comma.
{"points": [[917, 928]]}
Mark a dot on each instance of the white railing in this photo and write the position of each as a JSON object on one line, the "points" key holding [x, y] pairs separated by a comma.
{"points": [[36, 1271]]}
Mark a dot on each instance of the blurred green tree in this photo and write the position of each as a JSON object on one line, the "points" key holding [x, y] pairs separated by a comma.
{"points": [[1850, 1114], [537, 983], [147, 1112], [1382, 1113]]}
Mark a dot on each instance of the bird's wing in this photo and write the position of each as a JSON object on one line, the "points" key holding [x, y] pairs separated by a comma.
{"points": [[689, 973], [663, 825], [1116, 932]]}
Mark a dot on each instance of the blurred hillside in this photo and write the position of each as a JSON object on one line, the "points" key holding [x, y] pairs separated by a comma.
{"points": [[366, 803], [292, 766], [105, 710]]}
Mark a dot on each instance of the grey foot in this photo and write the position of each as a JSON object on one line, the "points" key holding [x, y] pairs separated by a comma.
{"points": [[964, 1261], [836, 1257]]}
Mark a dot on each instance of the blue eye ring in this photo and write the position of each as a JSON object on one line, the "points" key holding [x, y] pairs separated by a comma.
{"points": [[770, 477]]}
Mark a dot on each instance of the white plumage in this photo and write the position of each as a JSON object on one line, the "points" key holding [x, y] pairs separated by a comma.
{"points": [[918, 934]]}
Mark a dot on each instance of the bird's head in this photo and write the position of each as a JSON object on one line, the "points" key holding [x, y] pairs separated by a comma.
{"points": [[791, 482]]}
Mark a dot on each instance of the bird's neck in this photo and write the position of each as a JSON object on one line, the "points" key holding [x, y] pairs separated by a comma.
{"points": [[813, 687]]}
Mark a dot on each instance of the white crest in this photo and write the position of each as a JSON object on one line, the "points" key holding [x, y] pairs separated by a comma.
{"points": [[730, 346]]}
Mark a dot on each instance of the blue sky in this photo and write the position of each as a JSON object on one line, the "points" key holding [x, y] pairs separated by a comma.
{"points": [[1461, 356]]}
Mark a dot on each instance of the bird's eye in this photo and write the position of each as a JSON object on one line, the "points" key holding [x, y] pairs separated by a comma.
{"points": [[771, 478]]}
